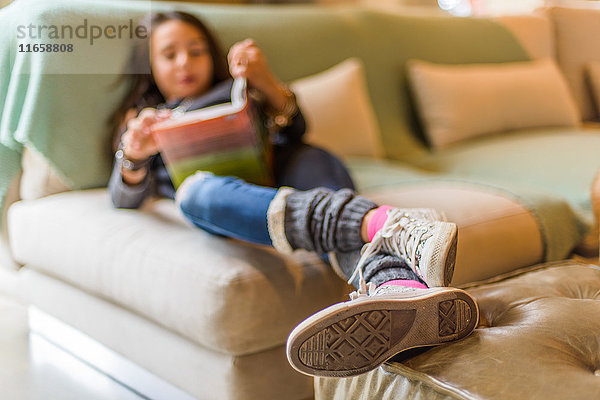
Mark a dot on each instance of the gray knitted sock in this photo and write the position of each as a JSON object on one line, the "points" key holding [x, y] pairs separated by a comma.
{"points": [[378, 269], [322, 220]]}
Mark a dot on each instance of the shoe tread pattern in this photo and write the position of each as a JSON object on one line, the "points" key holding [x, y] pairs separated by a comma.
{"points": [[454, 317], [356, 341]]}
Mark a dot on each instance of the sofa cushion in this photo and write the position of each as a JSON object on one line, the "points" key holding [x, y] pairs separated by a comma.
{"points": [[577, 32], [226, 295], [338, 110], [458, 102], [538, 338]]}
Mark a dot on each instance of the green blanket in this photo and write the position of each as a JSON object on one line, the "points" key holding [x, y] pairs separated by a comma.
{"points": [[56, 102]]}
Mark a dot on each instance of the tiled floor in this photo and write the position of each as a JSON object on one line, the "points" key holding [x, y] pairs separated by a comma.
{"points": [[33, 369]]}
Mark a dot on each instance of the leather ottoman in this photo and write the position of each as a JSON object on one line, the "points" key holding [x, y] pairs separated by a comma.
{"points": [[538, 338]]}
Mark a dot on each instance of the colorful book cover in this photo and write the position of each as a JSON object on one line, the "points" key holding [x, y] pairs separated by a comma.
{"points": [[227, 139]]}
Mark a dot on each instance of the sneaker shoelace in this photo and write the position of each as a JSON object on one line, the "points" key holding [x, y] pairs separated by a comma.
{"points": [[365, 289], [402, 235]]}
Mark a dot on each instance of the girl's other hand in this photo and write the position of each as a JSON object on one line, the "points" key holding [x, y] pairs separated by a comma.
{"points": [[246, 60], [138, 142]]}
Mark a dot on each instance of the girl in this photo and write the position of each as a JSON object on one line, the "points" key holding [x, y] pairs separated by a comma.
{"points": [[408, 254]]}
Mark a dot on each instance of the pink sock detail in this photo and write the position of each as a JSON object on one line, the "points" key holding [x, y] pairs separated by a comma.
{"points": [[405, 283], [377, 220]]}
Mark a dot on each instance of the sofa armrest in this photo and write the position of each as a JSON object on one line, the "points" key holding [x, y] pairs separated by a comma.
{"points": [[12, 195]]}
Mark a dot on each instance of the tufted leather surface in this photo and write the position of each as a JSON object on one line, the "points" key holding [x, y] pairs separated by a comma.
{"points": [[538, 338]]}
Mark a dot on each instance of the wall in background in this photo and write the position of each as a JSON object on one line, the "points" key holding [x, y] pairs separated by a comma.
{"points": [[457, 7], [475, 7]]}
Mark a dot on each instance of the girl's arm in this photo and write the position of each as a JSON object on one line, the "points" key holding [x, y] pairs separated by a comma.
{"points": [[247, 60], [292, 133], [130, 181], [124, 195]]}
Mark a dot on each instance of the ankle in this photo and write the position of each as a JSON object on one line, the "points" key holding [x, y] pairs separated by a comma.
{"points": [[373, 222], [405, 283]]}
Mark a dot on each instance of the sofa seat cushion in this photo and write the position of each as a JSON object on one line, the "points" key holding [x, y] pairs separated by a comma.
{"points": [[226, 295], [561, 162], [538, 338]]}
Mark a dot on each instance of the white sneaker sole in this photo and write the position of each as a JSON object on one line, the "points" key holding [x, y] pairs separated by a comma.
{"points": [[354, 337], [436, 266]]}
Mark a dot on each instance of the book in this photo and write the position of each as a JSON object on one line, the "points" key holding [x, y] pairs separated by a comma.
{"points": [[228, 138]]}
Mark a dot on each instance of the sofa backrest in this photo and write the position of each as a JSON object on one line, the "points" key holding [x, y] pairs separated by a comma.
{"points": [[301, 41], [62, 115]]}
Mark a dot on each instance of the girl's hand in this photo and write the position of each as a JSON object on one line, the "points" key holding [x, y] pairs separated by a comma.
{"points": [[246, 60], [138, 142]]}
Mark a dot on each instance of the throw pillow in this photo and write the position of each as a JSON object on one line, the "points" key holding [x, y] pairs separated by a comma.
{"points": [[338, 110], [458, 102], [594, 75]]}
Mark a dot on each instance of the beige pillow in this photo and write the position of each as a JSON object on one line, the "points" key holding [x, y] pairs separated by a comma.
{"points": [[338, 110], [458, 102], [594, 75]]}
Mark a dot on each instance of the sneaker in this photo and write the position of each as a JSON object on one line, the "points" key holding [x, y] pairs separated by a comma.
{"points": [[427, 245], [335, 258], [357, 336], [429, 214]]}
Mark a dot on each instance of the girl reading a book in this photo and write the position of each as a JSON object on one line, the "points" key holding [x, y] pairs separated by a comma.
{"points": [[407, 257]]}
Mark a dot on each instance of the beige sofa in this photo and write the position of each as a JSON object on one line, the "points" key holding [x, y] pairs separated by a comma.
{"points": [[182, 314]]}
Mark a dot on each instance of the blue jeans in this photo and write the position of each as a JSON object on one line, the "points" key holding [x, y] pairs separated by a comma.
{"points": [[230, 207]]}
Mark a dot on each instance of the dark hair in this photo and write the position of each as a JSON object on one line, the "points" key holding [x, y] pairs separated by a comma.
{"points": [[142, 91]]}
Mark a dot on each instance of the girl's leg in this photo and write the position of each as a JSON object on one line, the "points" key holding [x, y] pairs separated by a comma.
{"points": [[319, 220], [231, 207], [324, 221], [306, 167], [379, 269], [226, 206], [392, 311]]}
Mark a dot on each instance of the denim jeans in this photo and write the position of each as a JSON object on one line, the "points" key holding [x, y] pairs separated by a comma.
{"points": [[230, 207]]}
